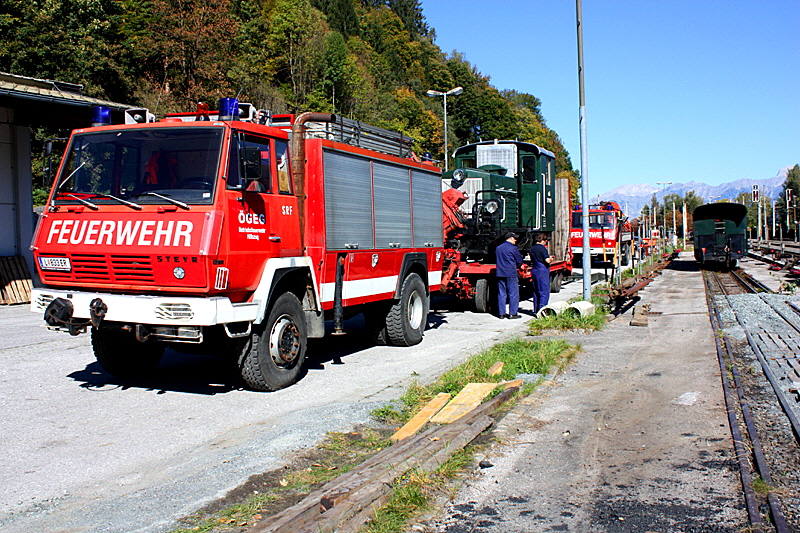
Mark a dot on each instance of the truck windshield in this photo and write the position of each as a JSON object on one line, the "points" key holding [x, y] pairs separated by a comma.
{"points": [[145, 166], [596, 221]]}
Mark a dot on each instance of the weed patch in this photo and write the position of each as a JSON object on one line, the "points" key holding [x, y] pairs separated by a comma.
{"points": [[519, 356], [570, 322]]}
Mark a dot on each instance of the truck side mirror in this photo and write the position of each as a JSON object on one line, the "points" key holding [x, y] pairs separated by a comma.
{"points": [[251, 163]]}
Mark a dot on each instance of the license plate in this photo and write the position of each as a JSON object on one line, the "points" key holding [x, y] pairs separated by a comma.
{"points": [[55, 263]]}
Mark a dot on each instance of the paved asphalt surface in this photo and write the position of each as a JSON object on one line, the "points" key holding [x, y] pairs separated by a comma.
{"points": [[86, 452]]}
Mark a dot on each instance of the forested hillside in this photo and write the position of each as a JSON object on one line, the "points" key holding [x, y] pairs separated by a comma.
{"points": [[371, 60]]}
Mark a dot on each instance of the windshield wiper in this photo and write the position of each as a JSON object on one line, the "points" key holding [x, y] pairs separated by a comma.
{"points": [[120, 200], [87, 203], [170, 200], [53, 202]]}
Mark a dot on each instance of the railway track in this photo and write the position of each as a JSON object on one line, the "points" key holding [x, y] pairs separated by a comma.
{"points": [[761, 374]]}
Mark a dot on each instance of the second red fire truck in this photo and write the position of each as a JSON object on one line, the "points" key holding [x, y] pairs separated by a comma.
{"points": [[610, 234]]}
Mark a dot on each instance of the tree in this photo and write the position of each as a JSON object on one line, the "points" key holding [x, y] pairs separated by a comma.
{"points": [[341, 15], [182, 50], [782, 207], [67, 40], [410, 12]]}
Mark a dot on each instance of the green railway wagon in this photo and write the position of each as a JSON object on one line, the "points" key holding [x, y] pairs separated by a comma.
{"points": [[720, 234]]}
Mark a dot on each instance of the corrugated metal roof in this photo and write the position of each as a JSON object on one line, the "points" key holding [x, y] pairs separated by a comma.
{"points": [[51, 91]]}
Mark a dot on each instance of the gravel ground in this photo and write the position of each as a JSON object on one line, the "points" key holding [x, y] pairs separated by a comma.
{"points": [[632, 437], [757, 313]]}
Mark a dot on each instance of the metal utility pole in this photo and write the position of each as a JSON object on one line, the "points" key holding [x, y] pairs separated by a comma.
{"points": [[587, 255]]}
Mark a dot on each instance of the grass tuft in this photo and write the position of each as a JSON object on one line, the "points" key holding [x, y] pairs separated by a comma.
{"points": [[520, 356]]}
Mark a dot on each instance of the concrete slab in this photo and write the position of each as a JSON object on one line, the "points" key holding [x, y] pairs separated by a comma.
{"points": [[632, 437]]}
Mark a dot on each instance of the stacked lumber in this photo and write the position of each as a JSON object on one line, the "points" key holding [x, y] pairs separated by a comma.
{"points": [[346, 503], [15, 281]]}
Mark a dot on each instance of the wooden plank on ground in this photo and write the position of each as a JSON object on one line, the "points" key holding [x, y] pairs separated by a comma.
{"points": [[20, 272], [15, 283], [495, 368], [513, 383], [422, 418], [465, 401], [7, 278]]}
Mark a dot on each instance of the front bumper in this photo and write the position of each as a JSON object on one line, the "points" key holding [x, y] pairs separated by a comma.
{"points": [[151, 310]]}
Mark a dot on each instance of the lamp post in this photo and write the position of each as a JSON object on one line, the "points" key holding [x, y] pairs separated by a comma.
{"points": [[452, 92]]}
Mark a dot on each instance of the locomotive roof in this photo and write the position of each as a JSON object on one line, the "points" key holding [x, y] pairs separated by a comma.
{"points": [[538, 150], [722, 211]]}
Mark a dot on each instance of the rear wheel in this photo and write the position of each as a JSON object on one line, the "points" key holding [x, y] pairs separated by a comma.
{"points": [[121, 355], [273, 356], [408, 317]]}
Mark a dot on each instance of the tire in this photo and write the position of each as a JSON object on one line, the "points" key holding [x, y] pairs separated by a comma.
{"points": [[555, 282], [408, 317], [625, 260], [121, 355], [375, 323], [273, 356], [482, 298]]}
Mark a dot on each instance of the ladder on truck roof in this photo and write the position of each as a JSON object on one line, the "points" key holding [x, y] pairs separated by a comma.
{"points": [[356, 133]]}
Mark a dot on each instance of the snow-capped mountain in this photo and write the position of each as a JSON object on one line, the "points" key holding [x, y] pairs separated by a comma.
{"points": [[637, 196]]}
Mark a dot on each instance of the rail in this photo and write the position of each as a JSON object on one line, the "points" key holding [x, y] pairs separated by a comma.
{"points": [[724, 284]]}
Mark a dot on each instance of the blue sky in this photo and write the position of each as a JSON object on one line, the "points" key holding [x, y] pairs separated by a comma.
{"points": [[704, 90]]}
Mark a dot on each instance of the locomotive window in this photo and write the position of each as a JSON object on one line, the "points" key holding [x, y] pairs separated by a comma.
{"points": [[528, 170], [468, 163]]}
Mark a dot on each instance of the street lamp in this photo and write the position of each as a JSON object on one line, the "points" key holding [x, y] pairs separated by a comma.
{"points": [[663, 189], [452, 92]]}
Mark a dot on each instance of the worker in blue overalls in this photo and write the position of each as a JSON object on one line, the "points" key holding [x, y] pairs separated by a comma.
{"points": [[540, 271], [508, 260]]}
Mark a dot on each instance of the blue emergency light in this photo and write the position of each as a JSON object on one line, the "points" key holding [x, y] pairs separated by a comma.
{"points": [[228, 109], [101, 116]]}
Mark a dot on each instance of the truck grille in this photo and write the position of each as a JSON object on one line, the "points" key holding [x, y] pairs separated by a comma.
{"points": [[136, 269]]}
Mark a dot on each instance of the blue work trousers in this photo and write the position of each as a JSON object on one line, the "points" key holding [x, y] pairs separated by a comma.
{"points": [[541, 287], [508, 292]]}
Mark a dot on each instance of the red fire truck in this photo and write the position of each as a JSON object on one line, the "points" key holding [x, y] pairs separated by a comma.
{"points": [[221, 232], [610, 235]]}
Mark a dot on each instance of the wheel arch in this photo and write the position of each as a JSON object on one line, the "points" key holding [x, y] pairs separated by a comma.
{"points": [[413, 263], [293, 275]]}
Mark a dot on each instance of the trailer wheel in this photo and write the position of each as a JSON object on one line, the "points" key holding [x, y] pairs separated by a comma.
{"points": [[273, 356], [121, 355], [408, 317], [482, 296], [555, 282]]}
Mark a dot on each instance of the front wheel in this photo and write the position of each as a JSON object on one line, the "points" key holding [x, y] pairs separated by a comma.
{"points": [[625, 255], [121, 355], [408, 317], [273, 356]]}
